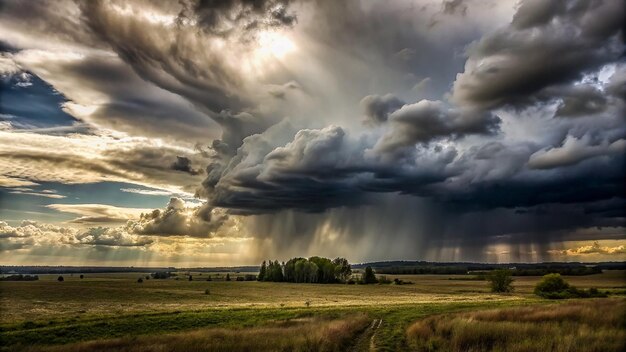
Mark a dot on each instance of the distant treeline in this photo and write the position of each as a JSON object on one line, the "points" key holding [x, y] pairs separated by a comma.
{"points": [[417, 268], [20, 277], [302, 270], [390, 267]]}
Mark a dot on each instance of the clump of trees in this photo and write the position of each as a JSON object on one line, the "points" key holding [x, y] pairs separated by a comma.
{"points": [[500, 280], [302, 270], [161, 275], [20, 277], [553, 286]]}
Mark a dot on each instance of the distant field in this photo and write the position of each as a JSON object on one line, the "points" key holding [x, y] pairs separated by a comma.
{"points": [[100, 306]]}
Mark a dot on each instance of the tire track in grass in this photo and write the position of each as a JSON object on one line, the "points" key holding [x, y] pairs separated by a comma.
{"points": [[372, 343], [365, 341]]}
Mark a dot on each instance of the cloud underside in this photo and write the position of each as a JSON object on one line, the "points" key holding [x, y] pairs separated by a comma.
{"points": [[277, 109]]}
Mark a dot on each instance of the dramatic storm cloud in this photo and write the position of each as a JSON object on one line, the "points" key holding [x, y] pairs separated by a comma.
{"points": [[417, 129]]}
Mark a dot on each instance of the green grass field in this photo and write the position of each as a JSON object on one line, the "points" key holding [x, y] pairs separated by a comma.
{"points": [[114, 306]]}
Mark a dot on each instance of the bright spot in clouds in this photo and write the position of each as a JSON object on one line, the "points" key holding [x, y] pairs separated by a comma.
{"points": [[275, 44]]}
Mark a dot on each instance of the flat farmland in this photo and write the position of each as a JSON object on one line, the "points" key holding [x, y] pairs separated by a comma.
{"points": [[115, 306]]}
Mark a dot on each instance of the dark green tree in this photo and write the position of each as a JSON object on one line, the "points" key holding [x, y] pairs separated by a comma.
{"points": [[343, 271], [368, 276], [501, 280], [60, 279], [262, 272]]}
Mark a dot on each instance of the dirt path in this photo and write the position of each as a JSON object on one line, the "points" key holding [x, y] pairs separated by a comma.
{"points": [[365, 341]]}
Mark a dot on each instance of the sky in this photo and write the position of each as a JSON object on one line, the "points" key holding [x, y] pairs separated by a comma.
{"points": [[215, 133]]}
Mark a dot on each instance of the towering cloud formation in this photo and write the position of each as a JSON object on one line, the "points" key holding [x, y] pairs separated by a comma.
{"points": [[258, 106]]}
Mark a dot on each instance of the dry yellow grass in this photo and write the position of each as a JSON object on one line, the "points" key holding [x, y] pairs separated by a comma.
{"points": [[293, 335], [590, 326]]}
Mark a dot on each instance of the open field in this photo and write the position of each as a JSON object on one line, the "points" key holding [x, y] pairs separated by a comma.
{"points": [[110, 306], [574, 326]]}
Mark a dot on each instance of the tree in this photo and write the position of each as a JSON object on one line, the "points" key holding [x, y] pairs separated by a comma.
{"points": [[190, 278], [343, 271], [262, 272], [500, 280], [140, 280], [82, 276], [60, 279], [369, 277], [227, 277]]}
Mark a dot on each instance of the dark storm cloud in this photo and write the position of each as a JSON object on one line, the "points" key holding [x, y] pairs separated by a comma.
{"points": [[377, 108], [581, 101], [548, 43], [453, 7], [220, 17], [175, 60], [427, 120], [183, 164]]}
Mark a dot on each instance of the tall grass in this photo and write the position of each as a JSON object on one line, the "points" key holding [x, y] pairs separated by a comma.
{"points": [[304, 335], [590, 326]]}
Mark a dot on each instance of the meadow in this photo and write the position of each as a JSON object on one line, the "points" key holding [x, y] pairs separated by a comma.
{"points": [[115, 312]]}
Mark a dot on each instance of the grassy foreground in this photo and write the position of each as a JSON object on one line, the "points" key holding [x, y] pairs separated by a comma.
{"points": [[590, 326], [108, 310], [312, 334]]}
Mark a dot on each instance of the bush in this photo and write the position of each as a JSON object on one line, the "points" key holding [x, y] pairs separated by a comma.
{"points": [[227, 277], [383, 280], [140, 280], [82, 276], [190, 278], [552, 286], [206, 292], [239, 278], [161, 275], [500, 280], [60, 279]]}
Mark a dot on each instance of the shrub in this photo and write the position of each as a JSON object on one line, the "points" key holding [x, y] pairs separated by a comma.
{"points": [[60, 279], [554, 287], [206, 292], [383, 280], [190, 278], [140, 280], [82, 276], [227, 277], [500, 280], [161, 275], [239, 278]]}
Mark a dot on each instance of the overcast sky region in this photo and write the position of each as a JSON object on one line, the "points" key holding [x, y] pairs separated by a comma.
{"points": [[205, 132]]}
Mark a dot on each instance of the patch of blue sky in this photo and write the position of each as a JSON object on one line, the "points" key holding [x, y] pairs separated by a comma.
{"points": [[27, 205], [27, 102]]}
